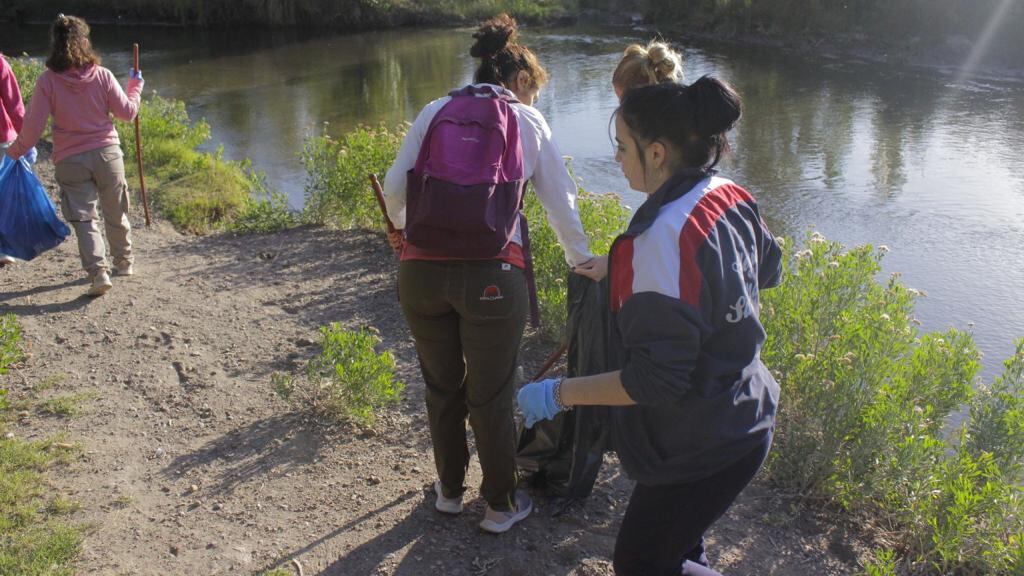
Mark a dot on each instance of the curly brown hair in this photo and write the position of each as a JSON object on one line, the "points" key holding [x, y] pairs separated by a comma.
{"points": [[501, 57], [69, 44]]}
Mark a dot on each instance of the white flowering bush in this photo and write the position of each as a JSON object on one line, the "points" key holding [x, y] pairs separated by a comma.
{"points": [[864, 409]]}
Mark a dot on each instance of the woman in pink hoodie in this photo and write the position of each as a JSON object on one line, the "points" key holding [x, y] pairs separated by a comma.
{"points": [[81, 95]]}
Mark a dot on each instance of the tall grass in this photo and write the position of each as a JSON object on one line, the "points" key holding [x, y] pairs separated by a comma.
{"points": [[865, 403]]}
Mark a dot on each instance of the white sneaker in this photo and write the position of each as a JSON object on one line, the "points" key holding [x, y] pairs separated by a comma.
{"points": [[446, 505], [100, 284], [5, 260], [497, 522], [124, 270]]}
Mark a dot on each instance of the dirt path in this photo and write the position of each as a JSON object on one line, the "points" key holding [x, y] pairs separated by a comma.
{"points": [[192, 466]]}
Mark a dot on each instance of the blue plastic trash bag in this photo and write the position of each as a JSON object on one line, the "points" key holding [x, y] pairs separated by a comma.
{"points": [[28, 219]]}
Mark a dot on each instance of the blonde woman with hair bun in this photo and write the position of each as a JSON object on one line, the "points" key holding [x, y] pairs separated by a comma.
{"points": [[644, 65]]}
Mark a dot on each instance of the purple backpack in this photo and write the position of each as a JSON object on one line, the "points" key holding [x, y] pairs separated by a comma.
{"points": [[465, 192]]}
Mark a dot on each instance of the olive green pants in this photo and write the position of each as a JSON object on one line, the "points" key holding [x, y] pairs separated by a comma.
{"points": [[467, 318], [91, 182]]}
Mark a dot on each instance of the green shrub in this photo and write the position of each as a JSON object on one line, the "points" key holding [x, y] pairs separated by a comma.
{"points": [[337, 190], [856, 378], [997, 418], [603, 217], [262, 215], [348, 379], [864, 404], [26, 70], [968, 520]]}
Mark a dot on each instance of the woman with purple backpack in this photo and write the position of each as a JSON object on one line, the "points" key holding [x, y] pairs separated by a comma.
{"points": [[455, 194]]}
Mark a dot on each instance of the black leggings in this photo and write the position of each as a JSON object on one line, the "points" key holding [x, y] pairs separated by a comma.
{"points": [[664, 525]]}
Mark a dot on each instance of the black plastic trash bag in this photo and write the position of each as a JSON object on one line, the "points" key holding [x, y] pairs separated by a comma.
{"points": [[28, 220], [562, 456]]}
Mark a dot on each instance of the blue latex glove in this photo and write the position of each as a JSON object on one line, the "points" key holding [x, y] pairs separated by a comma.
{"points": [[135, 74], [31, 155], [537, 401]]}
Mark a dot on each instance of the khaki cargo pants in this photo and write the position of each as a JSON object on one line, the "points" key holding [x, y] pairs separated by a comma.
{"points": [[96, 179]]}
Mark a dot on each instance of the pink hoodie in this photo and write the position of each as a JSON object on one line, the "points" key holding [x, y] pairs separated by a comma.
{"points": [[12, 111], [81, 101]]}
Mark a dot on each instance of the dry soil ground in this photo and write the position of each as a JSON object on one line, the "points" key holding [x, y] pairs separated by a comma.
{"points": [[191, 465]]}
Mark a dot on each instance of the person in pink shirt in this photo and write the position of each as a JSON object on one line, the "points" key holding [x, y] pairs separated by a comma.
{"points": [[12, 113], [81, 96]]}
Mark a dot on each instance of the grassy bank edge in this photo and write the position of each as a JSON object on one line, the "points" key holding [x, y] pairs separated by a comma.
{"points": [[35, 536]]}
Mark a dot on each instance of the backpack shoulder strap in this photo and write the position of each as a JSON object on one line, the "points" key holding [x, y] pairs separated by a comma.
{"points": [[488, 90]]}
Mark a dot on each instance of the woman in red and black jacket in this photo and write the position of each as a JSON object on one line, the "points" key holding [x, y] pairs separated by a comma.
{"points": [[694, 405]]}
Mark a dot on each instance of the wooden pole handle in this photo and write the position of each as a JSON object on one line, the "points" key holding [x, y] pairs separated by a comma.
{"points": [[138, 145]]}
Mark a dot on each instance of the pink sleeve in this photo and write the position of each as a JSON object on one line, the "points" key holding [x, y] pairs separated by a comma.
{"points": [[123, 106], [35, 120], [10, 94]]}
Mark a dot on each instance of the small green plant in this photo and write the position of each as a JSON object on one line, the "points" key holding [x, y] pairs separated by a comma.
{"points": [[348, 379], [603, 216], [65, 405], [881, 563], [50, 382], [278, 572], [61, 506], [338, 192]]}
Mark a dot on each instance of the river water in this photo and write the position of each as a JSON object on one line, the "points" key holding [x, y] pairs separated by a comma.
{"points": [[864, 153]]}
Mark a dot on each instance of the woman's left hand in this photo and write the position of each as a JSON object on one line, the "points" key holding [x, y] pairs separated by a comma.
{"points": [[537, 401], [596, 268]]}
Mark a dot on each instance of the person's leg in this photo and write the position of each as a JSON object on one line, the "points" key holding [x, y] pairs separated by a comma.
{"points": [[435, 328], [114, 201], [78, 203], [493, 304], [664, 525]]}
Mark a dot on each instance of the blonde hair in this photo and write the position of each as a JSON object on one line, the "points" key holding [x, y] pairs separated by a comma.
{"points": [[652, 64]]}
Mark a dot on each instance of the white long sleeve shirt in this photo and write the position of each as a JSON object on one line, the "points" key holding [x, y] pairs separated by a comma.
{"points": [[542, 163]]}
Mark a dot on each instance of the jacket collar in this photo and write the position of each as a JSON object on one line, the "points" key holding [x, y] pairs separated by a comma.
{"points": [[681, 182]]}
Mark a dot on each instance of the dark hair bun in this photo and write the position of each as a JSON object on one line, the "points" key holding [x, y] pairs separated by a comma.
{"points": [[493, 36], [716, 106]]}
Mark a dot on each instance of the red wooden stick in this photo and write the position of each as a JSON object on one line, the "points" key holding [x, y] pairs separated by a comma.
{"points": [[549, 362], [138, 147], [379, 194]]}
